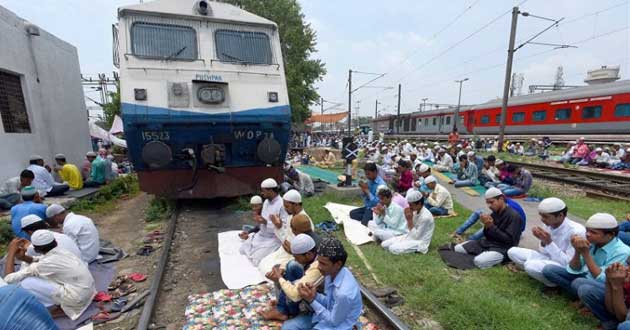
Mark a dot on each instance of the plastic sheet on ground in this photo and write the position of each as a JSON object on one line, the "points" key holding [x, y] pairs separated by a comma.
{"points": [[236, 270], [355, 232]]}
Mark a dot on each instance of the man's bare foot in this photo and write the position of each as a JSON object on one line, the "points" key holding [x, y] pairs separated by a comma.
{"points": [[273, 314]]}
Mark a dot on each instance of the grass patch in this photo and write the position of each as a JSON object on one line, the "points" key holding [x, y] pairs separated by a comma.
{"points": [[159, 209], [105, 199], [314, 206], [239, 204], [475, 299], [6, 235]]}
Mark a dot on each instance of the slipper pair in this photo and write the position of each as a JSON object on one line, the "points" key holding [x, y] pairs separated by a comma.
{"points": [[145, 250], [327, 226]]}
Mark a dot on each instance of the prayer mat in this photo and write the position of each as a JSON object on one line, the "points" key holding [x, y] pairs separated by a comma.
{"points": [[320, 173], [456, 259], [230, 309], [236, 270], [355, 232], [445, 177]]}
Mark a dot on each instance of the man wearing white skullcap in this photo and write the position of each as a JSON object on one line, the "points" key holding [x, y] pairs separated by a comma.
{"points": [[44, 181], [389, 219], [255, 203], [78, 227], [302, 270], [585, 276], [32, 204], [444, 161], [32, 223], [262, 243], [439, 200], [502, 230], [555, 240], [420, 226], [292, 203], [57, 278]]}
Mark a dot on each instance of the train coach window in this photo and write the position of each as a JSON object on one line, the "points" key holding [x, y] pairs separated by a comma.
{"points": [[426, 121], [497, 119], [163, 41], [518, 117], [243, 47], [485, 119], [434, 121], [540, 115], [562, 114], [622, 110], [592, 112], [448, 120]]}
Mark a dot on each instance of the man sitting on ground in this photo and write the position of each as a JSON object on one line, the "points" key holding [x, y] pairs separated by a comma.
{"points": [[302, 270], [10, 192], [32, 204], [301, 181], [31, 224], [329, 159], [617, 282], [420, 225], [466, 173], [80, 228], [389, 218], [44, 181], [555, 240], [522, 182], [340, 306], [445, 161], [439, 201], [502, 230], [58, 278], [255, 203], [69, 173], [30, 315], [368, 193], [97, 171]]}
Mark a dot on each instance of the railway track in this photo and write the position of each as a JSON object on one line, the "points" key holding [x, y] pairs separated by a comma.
{"points": [[598, 181], [151, 310], [556, 139]]}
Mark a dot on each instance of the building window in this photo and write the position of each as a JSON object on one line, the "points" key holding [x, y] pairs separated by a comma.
{"points": [[485, 119], [12, 105], [448, 120], [243, 47], [563, 114], [164, 41], [540, 115], [592, 112], [518, 117], [434, 121], [622, 110]]}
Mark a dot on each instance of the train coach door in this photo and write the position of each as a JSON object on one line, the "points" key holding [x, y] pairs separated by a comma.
{"points": [[413, 124]]}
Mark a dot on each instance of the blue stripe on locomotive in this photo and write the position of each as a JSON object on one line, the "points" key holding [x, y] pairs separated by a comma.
{"points": [[239, 131]]}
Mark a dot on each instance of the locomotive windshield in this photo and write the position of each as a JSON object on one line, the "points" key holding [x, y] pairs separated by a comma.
{"points": [[243, 47], [164, 41]]}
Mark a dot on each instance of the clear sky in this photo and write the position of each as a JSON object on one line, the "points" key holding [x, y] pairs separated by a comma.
{"points": [[423, 44]]}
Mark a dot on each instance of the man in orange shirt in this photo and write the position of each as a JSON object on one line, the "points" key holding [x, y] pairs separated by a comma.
{"points": [[453, 137]]}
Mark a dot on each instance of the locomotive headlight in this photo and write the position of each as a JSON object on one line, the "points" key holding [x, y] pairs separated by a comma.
{"points": [[211, 95]]}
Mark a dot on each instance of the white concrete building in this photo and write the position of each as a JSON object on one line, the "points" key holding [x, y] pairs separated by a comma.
{"points": [[42, 109]]}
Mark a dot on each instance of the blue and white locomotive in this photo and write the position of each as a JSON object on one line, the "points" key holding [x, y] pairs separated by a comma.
{"points": [[204, 98]]}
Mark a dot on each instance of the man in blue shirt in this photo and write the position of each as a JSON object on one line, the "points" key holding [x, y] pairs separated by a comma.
{"points": [[340, 306], [368, 193], [32, 205]]}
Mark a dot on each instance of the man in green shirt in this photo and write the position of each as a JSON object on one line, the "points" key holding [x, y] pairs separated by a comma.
{"points": [[97, 172]]}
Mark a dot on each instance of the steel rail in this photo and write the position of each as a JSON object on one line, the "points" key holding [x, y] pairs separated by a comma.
{"points": [[382, 310]]}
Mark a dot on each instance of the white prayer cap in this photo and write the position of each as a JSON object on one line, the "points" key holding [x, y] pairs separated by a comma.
{"points": [[429, 179], [381, 187], [459, 145], [470, 154], [42, 237], [60, 156], [436, 147], [53, 210], [256, 200], [292, 196], [29, 220], [551, 205], [269, 184], [493, 193], [301, 244], [423, 168], [90, 154], [498, 162], [35, 157], [581, 138], [442, 150], [413, 196], [598, 149], [28, 191], [601, 221]]}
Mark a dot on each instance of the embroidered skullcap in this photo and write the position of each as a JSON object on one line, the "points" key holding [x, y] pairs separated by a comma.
{"points": [[292, 196], [423, 168], [301, 244], [42, 237], [35, 157], [601, 221], [436, 147], [28, 191], [551, 205], [413, 196], [53, 210], [256, 200], [493, 193], [29, 220], [269, 184], [90, 154], [381, 188], [470, 154], [300, 223], [430, 179], [498, 162], [60, 156], [331, 247]]}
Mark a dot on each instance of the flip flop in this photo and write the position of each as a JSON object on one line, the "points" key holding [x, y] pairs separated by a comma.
{"points": [[137, 277], [123, 290], [102, 297], [145, 250], [120, 279], [103, 317]]}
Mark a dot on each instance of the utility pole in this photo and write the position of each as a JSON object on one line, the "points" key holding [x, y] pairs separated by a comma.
{"points": [[398, 115], [321, 104], [424, 103], [349, 101], [459, 100], [376, 109], [508, 75], [356, 113]]}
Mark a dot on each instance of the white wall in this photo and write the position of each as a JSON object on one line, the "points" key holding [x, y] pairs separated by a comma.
{"points": [[55, 105]]}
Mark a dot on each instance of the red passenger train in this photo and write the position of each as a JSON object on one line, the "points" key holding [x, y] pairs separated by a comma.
{"points": [[594, 109]]}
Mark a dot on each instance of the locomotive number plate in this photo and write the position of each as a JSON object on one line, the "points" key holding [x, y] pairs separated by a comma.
{"points": [[155, 136]]}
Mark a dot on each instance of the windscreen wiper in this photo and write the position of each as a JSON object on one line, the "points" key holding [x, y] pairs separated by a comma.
{"points": [[233, 57], [177, 53]]}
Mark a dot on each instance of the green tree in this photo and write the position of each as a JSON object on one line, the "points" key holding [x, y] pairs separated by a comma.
{"points": [[298, 41], [111, 109]]}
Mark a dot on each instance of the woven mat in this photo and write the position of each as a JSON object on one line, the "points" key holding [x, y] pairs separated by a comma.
{"points": [[230, 309], [447, 176], [320, 173]]}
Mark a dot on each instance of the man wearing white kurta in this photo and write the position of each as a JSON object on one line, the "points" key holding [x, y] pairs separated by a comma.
{"points": [[80, 228], [420, 228], [555, 240], [262, 243], [445, 162], [389, 219], [56, 278], [32, 223]]}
